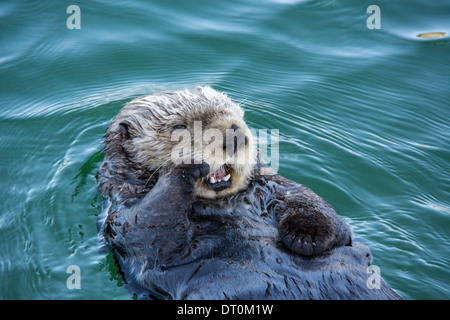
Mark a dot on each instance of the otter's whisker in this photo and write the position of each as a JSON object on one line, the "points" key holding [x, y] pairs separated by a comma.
{"points": [[155, 171]]}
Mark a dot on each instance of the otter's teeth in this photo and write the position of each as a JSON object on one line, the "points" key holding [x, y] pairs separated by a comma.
{"points": [[218, 176]]}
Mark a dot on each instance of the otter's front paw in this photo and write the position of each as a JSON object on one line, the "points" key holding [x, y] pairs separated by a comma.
{"points": [[191, 172], [307, 234]]}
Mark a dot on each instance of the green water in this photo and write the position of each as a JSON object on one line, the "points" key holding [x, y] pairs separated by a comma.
{"points": [[363, 116]]}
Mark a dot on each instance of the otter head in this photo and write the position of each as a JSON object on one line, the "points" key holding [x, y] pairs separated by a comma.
{"points": [[190, 127]]}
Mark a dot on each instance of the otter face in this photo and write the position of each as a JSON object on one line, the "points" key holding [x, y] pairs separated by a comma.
{"points": [[190, 127]]}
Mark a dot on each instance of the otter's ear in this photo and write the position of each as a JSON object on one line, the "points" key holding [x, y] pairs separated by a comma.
{"points": [[124, 127]]}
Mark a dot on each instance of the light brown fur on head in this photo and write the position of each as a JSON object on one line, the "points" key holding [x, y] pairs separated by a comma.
{"points": [[147, 125]]}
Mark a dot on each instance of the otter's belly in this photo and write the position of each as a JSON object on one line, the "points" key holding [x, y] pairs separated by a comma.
{"points": [[262, 271], [238, 256]]}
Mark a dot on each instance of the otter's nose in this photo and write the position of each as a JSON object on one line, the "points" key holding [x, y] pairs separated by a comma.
{"points": [[234, 138]]}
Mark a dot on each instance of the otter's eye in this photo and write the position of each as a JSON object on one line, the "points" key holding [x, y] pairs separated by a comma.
{"points": [[179, 127]]}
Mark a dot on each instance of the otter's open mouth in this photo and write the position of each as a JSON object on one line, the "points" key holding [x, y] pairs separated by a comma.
{"points": [[219, 179]]}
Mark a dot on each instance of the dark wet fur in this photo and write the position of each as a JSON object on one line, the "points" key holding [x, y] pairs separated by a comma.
{"points": [[170, 245]]}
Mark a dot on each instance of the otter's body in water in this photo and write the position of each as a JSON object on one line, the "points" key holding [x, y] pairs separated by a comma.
{"points": [[214, 228]]}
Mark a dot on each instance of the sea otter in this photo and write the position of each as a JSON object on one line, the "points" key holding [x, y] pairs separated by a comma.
{"points": [[213, 227]]}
